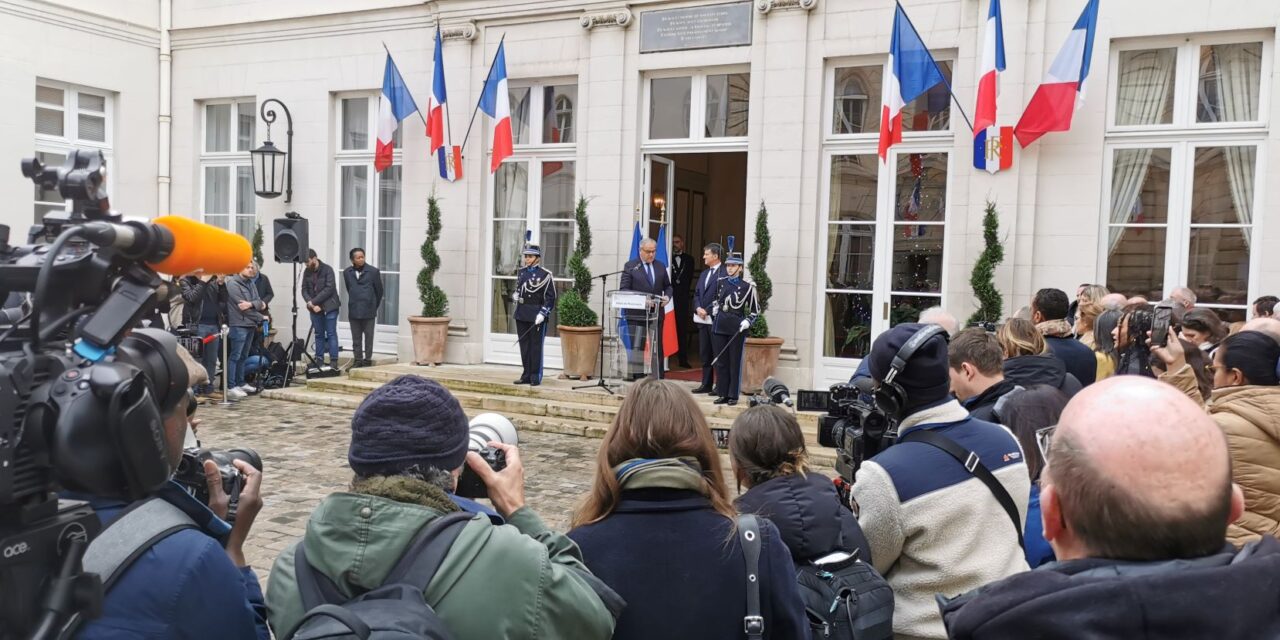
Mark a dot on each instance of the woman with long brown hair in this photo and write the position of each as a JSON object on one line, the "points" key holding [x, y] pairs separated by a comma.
{"points": [[659, 528]]}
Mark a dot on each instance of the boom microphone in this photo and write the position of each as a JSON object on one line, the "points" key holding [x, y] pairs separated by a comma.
{"points": [[175, 245]]}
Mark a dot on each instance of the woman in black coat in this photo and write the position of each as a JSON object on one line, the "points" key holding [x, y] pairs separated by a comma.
{"points": [[659, 529], [770, 459]]}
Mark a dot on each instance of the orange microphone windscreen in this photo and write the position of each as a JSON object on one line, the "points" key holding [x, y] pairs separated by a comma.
{"points": [[203, 248]]}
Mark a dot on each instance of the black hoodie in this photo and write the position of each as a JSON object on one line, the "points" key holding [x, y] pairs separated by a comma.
{"points": [[1228, 596], [1041, 369], [807, 511]]}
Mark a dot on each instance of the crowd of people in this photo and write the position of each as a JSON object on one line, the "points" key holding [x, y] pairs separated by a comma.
{"points": [[1064, 476]]}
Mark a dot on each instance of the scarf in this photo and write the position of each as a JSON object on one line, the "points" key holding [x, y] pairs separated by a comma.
{"points": [[1056, 329], [406, 489], [661, 473]]}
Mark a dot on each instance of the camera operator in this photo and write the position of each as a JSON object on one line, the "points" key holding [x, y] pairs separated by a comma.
{"points": [[204, 307], [408, 444], [933, 522], [194, 582]]}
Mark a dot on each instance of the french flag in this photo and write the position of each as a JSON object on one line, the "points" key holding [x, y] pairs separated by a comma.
{"points": [[1062, 91], [910, 71], [984, 115], [670, 335], [449, 156], [496, 103], [395, 104]]}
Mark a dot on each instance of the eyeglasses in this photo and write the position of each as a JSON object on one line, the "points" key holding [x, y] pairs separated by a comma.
{"points": [[1044, 438]]}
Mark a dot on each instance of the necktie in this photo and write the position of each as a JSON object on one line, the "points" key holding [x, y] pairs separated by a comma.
{"points": [[648, 269]]}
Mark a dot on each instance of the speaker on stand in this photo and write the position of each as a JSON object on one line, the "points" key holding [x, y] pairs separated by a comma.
{"points": [[290, 242]]}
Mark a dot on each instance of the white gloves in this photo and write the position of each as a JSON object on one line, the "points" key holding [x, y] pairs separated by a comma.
{"points": [[540, 319], [743, 327], [515, 297]]}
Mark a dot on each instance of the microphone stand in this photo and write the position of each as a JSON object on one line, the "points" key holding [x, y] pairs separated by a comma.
{"points": [[604, 279]]}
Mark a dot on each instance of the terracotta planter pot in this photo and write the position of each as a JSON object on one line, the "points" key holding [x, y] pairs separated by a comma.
{"points": [[580, 347], [429, 336], [761, 362]]}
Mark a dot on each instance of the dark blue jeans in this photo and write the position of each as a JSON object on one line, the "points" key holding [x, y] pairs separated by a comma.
{"points": [[237, 351], [326, 328]]}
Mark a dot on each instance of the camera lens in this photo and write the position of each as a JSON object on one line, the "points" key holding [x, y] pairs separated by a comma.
{"points": [[491, 427]]}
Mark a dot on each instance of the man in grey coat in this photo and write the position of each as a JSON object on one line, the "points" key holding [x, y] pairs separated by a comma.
{"points": [[363, 284], [320, 292], [244, 317]]}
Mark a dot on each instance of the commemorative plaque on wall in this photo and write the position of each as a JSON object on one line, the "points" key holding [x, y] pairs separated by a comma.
{"points": [[716, 25]]}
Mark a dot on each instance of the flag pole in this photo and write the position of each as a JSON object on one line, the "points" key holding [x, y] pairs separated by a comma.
{"points": [[935, 66], [419, 111], [448, 124], [487, 77]]}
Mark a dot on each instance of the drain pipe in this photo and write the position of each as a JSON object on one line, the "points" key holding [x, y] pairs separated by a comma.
{"points": [[165, 121]]}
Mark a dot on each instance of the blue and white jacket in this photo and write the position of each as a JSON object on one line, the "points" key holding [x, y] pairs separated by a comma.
{"points": [[933, 527]]}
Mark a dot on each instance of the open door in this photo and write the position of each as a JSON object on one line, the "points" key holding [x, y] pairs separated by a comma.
{"points": [[658, 195]]}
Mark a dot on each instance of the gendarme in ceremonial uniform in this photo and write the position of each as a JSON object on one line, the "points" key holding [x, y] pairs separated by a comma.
{"points": [[535, 297], [736, 309]]}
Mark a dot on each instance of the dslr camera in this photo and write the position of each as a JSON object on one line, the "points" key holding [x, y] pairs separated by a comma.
{"points": [[851, 424], [191, 476], [484, 429]]}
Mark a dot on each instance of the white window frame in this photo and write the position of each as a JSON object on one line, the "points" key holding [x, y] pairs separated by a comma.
{"points": [[501, 347], [697, 141], [1184, 136], [233, 159], [385, 339], [830, 137], [70, 108]]}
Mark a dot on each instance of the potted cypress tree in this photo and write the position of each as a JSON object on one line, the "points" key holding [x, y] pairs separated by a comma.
{"points": [[990, 302], [761, 357], [431, 329], [578, 325]]}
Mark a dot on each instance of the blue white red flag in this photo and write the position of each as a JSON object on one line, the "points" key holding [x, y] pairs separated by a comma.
{"points": [[395, 104], [496, 103], [670, 335], [448, 156], [1062, 92], [984, 114], [910, 71]]}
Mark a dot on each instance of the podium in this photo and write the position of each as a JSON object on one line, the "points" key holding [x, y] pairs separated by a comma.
{"points": [[633, 331]]}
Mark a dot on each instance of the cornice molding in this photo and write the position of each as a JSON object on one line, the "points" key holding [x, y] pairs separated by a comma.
{"points": [[459, 31], [765, 6], [83, 21], [290, 29], [614, 18]]}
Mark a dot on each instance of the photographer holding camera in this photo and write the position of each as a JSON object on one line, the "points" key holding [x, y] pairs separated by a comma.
{"points": [[409, 441], [187, 582], [943, 508]]}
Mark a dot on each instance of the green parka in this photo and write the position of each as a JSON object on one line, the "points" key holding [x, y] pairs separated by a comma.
{"points": [[519, 580]]}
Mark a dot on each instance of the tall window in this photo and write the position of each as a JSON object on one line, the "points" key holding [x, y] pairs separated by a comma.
{"points": [[226, 177], [885, 250], [700, 106], [1184, 142], [369, 203], [535, 189], [68, 117]]}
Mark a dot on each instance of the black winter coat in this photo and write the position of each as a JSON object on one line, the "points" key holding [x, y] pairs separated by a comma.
{"points": [[682, 573], [364, 294], [807, 511], [1044, 368], [1227, 596], [1078, 357], [319, 287], [983, 405]]}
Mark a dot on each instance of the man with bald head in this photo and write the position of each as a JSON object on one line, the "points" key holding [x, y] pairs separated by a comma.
{"points": [[1264, 324], [1114, 301], [1135, 499], [650, 276]]}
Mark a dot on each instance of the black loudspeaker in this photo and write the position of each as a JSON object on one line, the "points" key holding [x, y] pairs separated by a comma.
{"points": [[291, 239]]}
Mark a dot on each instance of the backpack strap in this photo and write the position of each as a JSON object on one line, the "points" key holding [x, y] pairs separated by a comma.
{"points": [[422, 558], [749, 532], [130, 535], [974, 466]]}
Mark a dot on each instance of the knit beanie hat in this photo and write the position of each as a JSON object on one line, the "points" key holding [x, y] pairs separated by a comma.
{"points": [[925, 377], [406, 422]]}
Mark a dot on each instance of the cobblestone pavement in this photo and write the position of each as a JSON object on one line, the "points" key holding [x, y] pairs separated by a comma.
{"points": [[304, 452]]}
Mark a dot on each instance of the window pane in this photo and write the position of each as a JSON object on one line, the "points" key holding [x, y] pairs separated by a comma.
{"points": [[557, 242], [853, 187], [557, 190], [1218, 268], [389, 244], [520, 97], [1144, 91], [222, 220], [246, 126], [93, 128], [355, 123], [921, 190], [217, 190], [727, 98], [1140, 186], [1222, 191], [931, 111], [907, 308], [669, 107], [90, 102], [511, 190], [245, 202], [850, 255], [217, 127], [1229, 316], [49, 160], [49, 95], [848, 325], [1230, 75], [508, 242], [389, 312], [503, 306], [355, 192], [1135, 262], [351, 234], [389, 192], [857, 99], [917, 258], [558, 113], [245, 226], [49, 121]]}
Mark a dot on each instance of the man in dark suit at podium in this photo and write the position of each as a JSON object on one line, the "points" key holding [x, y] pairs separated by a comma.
{"points": [[645, 275]]}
